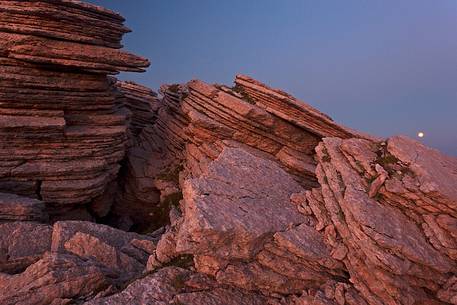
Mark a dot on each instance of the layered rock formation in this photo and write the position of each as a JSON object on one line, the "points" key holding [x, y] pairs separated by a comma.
{"points": [[380, 229], [242, 195], [63, 130], [196, 121]]}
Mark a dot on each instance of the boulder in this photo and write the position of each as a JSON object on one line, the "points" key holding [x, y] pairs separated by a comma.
{"points": [[55, 278], [122, 252], [22, 244], [18, 208]]}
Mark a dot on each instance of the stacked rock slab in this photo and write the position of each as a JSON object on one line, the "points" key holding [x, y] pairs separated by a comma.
{"points": [[143, 104], [62, 130], [197, 120]]}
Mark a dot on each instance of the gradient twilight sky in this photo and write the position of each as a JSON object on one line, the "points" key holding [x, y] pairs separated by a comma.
{"points": [[381, 66]]}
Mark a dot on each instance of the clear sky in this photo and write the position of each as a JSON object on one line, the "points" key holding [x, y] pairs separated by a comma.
{"points": [[381, 66]]}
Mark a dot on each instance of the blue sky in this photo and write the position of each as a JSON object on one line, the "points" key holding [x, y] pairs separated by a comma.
{"points": [[381, 66]]}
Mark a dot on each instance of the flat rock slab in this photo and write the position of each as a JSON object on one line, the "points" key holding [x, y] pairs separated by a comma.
{"points": [[236, 205]]}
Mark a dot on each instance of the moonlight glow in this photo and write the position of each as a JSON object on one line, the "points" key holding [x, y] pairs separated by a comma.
{"points": [[420, 134]]}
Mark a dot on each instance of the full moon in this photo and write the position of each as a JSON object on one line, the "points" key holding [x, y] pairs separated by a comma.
{"points": [[420, 134]]}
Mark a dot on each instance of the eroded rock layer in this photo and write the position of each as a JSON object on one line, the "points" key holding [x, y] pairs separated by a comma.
{"points": [[62, 129], [196, 121], [242, 195]]}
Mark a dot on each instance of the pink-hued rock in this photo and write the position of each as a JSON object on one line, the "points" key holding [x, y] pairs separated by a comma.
{"points": [[241, 227], [195, 121], [396, 251], [17, 208], [63, 126], [22, 244], [236, 206], [290, 109], [123, 252], [173, 285], [247, 195], [56, 277], [380, 229]]}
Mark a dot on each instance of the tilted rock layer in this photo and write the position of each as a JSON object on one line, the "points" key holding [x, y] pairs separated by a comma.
{"points": [[240, 195]]}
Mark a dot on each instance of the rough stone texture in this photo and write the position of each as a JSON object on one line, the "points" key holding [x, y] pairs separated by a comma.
{"points": [[17, 208], [195, 121], [123, 252], [62, 129], [287, 107], [381, 228], [151, 178], [236, 205], [240, 226], [142, 102], [173, 285], [56, 277], [22, 244], [247, 195], [73, 261], [395, 248]]}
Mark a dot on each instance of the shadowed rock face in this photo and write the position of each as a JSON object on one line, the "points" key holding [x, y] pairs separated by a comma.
{"points": [[241, 195]]}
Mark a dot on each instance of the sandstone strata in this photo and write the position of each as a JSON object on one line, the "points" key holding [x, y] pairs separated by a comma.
{"points": [[195, 121], [242, 195], [63, 130]]}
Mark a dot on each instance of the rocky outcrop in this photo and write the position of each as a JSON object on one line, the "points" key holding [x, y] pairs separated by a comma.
{"points": [[240, 195], [240, 226], [196, 121], [396, 222], [55, 279], [123, 252], [143, 104], [280, 200], [62, 129], [380, 229]]}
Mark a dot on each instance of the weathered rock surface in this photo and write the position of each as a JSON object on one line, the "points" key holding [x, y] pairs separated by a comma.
{"points": [[17, 208], [72, 261], [55, 279], [397, 250], [124, 252], [246, 195], [240, 226], [142, 102], [195, 121], [63, 130], [173, 285], [22, 244], [380, 229]]}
